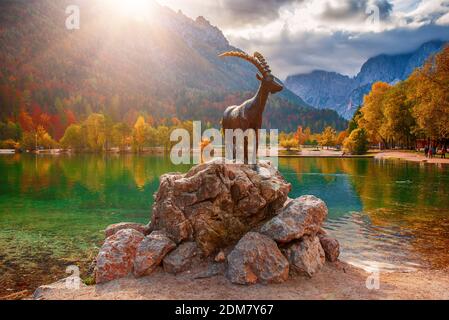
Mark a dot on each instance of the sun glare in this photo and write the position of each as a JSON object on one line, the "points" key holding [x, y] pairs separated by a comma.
{"points": [[139, 9]]}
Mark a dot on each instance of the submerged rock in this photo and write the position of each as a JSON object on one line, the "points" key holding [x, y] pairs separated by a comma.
{"points": [[114, 228], [331, 247], [256, 258], [299, 217], [116, 257], [306, 257], [151, 251], [181, 259], [215, 204]]}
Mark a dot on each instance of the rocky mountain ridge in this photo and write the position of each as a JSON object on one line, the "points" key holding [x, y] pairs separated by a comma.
{"points": [[344, 94]]}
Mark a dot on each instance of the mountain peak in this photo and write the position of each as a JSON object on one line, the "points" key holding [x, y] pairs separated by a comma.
{"points": [[435, 42], [202, 21], [332, 90]]}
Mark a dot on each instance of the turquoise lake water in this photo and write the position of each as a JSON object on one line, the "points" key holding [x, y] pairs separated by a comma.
{"points": [[390, 215]]}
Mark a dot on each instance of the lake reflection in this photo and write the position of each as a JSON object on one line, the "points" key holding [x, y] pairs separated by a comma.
{"points": [[390, 215], [393, 215]]}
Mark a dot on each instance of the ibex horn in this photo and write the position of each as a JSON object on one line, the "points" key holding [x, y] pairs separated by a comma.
{"points": [[262, 61], [263, 69]]}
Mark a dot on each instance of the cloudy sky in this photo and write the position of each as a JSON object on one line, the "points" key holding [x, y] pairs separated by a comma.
{"points": [[336, 35]]}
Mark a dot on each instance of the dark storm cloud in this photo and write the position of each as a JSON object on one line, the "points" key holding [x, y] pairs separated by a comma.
{"points": [[255, 9], [342, 52], [252, 11], [330, 35], [234, 13], [355, 9]]}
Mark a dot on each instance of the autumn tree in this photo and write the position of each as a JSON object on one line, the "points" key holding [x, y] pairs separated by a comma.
{"points": [[429, 89], [341, 138], [26, 122], [373, 117], [96, 132], [289, 143], [151, 136], [10, 131], [121, 135], [139, 134], [163, 137], [29, 141], [354, 122], [357, 142], [328, 137], [44, 139], [399, 121], [74, 138], [302, 135]]}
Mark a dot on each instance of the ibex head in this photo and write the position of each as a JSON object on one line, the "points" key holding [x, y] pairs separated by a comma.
{"points": [[265, 76]]}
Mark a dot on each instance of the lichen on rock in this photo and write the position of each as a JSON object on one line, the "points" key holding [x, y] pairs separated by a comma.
{"points": [[116, 257]]}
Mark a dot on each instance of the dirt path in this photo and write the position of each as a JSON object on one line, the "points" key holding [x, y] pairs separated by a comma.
{"points": [[411, 156], [339, 281]]}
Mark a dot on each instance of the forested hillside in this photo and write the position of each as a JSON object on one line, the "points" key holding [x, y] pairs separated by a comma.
{"points": [[160, 69]]}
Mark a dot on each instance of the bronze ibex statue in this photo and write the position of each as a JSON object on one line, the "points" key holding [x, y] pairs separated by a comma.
{"points": [[249, 114]]}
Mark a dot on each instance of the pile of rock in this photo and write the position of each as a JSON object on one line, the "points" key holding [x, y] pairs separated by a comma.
{"points": [[225, 215]]}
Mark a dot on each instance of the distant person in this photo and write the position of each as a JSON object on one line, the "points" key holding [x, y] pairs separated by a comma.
{"points": [[430, 152], [443, 152], [434, 151], [426, 151]]}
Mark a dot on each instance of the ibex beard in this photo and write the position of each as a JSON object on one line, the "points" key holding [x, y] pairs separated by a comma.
{"points": [[240, 147]]}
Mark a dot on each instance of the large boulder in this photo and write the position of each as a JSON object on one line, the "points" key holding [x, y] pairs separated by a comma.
{"points": [[256, 258], [182, 258], [215, 204], [299, 217], [330, 246], [151, 251], [306, 257], [116, 257], [114, 228]]}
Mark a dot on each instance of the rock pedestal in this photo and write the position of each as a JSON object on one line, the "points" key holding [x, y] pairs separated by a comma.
{"points": [[216, 204], [228, 215]]}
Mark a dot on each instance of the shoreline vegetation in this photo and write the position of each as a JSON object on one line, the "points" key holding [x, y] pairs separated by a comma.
{"points": [[336, 281], [412, 115], [402, 155]]}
